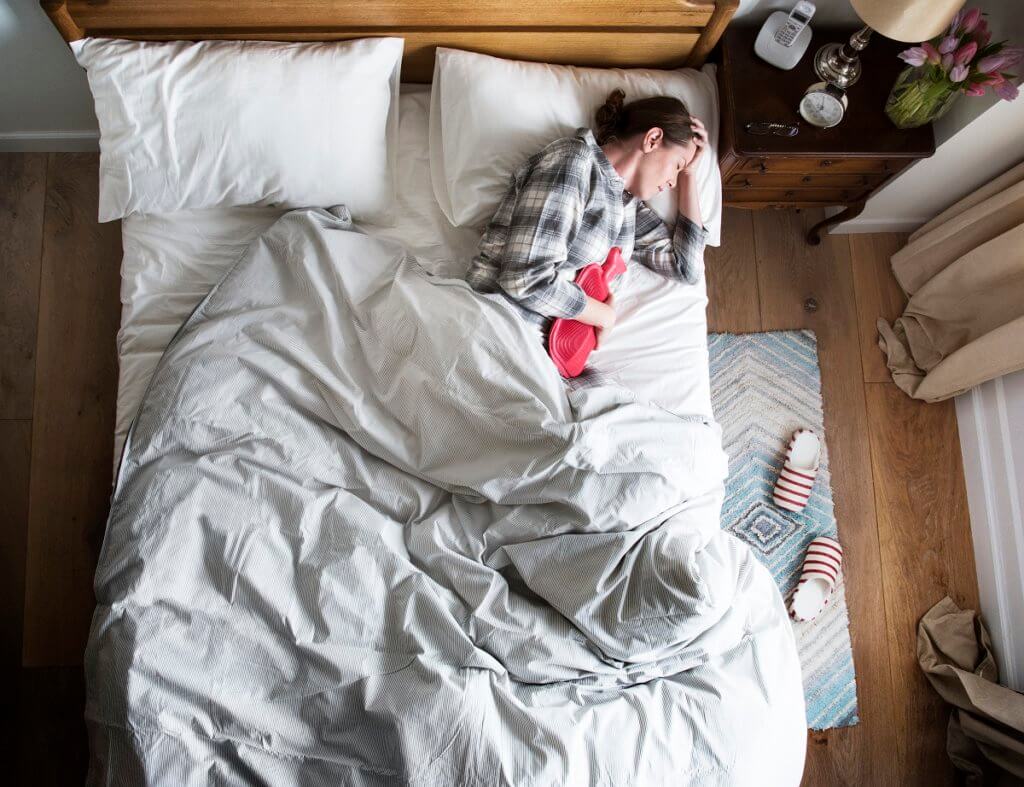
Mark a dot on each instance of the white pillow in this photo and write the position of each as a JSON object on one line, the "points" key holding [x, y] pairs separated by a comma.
{"points": [[488, 115], [194, 125]]}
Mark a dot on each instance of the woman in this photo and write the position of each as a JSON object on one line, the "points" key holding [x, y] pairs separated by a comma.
{"points": [[581, 195]]}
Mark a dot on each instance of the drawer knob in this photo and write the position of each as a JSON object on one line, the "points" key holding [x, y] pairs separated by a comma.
{"points": [[746, 183], [805, 179], [826, 163], [761, 167], [789, 194]]}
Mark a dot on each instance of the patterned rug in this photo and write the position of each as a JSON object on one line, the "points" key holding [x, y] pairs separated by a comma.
{"points": [[764, 386]]}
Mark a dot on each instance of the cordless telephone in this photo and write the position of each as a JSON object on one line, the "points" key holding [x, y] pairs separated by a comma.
{"points": [[795, 22], [784, 37]]}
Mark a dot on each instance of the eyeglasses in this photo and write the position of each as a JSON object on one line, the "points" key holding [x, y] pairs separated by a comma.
{"points": [[766, 127]]}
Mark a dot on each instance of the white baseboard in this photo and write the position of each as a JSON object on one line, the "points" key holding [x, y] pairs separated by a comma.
{"points": [[49, 141], [991, 432], [855, 226]]}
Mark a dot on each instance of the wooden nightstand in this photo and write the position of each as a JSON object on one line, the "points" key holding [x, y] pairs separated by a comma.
{"points": [[817, 167]]}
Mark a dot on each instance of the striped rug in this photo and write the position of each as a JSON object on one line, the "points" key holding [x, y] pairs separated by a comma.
{"points": [[764, 386]]}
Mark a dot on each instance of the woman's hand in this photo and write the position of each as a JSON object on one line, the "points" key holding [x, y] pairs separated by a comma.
{"points": [[602, 331], [600, 315], [700, 141]]}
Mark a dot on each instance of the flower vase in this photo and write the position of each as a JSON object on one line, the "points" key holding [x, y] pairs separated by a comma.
{"points": [[920, 96]]}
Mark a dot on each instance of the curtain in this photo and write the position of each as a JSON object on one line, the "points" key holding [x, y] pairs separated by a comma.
{"points": [[985, 737], [963, 273]]}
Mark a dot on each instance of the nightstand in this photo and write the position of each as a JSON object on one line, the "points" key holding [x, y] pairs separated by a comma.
{"points": [[842, 165]]}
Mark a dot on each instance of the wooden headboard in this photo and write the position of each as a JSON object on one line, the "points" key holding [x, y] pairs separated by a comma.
{"points": [[652, 33]]}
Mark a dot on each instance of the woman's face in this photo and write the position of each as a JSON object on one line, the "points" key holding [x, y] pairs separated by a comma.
{"points": [[660, 164]]}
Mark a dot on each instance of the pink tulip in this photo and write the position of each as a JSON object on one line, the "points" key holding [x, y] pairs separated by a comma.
{"points": [[1006, 90], [947, 62], [958, 73], [982, 34], [1007, 57], [948, 44], [991, 79], [965, 53], [931, 53], [958, 17], [970, 20], [914, 56], [974, 90]]}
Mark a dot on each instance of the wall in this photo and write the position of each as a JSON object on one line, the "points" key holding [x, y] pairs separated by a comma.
{"points": [[829, 12], [991, 421], [44, 97], [988, 145], [979, 138]]}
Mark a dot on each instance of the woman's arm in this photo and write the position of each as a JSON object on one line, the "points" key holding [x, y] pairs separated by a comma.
{"points": [[675, 255], [689, 204], [600, 315], [546, 212], [686, 183]]}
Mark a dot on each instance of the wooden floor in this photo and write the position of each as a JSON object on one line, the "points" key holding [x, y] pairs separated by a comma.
{"points": [[896, 467]]}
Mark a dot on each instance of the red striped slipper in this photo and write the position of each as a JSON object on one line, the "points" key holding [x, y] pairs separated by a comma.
{"points": [[793, 487], [818, 579]]}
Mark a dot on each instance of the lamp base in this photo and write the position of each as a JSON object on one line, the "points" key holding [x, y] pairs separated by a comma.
{"points": [[839, 64]]}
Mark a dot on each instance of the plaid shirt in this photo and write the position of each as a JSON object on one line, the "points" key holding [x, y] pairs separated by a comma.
{"points": [[565, 208]]}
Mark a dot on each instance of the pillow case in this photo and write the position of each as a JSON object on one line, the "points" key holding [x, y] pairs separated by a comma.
{"points": [[198, 124], [488, 115]]}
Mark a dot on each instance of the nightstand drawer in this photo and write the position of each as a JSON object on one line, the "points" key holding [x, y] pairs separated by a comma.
{"points": [[808, 166], [787, 180], [793, 196]]}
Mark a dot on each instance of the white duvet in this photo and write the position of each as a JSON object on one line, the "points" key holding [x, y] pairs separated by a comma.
{"points": [[362, 534]]}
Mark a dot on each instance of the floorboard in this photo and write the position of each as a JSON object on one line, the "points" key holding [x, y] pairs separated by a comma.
{"points": [[22, 186], [733, 302], [789, 273], [15, 451], [926, 554], [73, 415], [878, 295], [52, 748]]}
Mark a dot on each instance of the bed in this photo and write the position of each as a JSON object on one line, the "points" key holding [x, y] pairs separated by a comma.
{"points": [[171, 261], [722, 705]]}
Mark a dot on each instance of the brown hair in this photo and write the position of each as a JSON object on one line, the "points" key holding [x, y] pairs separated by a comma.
{"points": [[618, 120]]}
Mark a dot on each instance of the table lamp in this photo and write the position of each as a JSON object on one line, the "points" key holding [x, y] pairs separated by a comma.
{"points": [[902, 20]]}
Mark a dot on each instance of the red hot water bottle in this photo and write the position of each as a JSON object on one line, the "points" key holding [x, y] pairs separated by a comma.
{"points": [[570, 342]]}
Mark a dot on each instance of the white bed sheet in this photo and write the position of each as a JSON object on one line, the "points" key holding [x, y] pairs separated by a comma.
{"points": [[658, 348]]}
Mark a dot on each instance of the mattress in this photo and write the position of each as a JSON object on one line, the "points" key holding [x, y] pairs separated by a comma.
{"points": [[658, 349]]}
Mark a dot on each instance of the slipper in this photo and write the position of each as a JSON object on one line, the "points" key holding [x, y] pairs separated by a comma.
{"points": [[796, 479], [570, 342], [818, 578]]}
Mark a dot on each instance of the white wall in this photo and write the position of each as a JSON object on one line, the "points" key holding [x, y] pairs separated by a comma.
{"points": [[986, 147], [44, 97], [991, 421], [836, 13]]}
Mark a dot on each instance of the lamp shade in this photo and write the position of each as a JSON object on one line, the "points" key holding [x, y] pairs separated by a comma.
{"points": [[907, 20]]}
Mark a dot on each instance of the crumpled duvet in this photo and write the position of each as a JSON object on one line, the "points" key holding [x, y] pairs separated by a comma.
{"points": [[363, 535]]}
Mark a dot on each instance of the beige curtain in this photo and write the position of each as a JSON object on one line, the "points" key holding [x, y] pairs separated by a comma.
{"points": [[985, 737], [963, 273]]}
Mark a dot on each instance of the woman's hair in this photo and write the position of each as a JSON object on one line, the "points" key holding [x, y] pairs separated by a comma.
{"points": [[619, 120]]}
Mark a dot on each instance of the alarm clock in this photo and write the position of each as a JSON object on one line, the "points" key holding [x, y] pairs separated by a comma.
{"points": [[823, 105]]}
